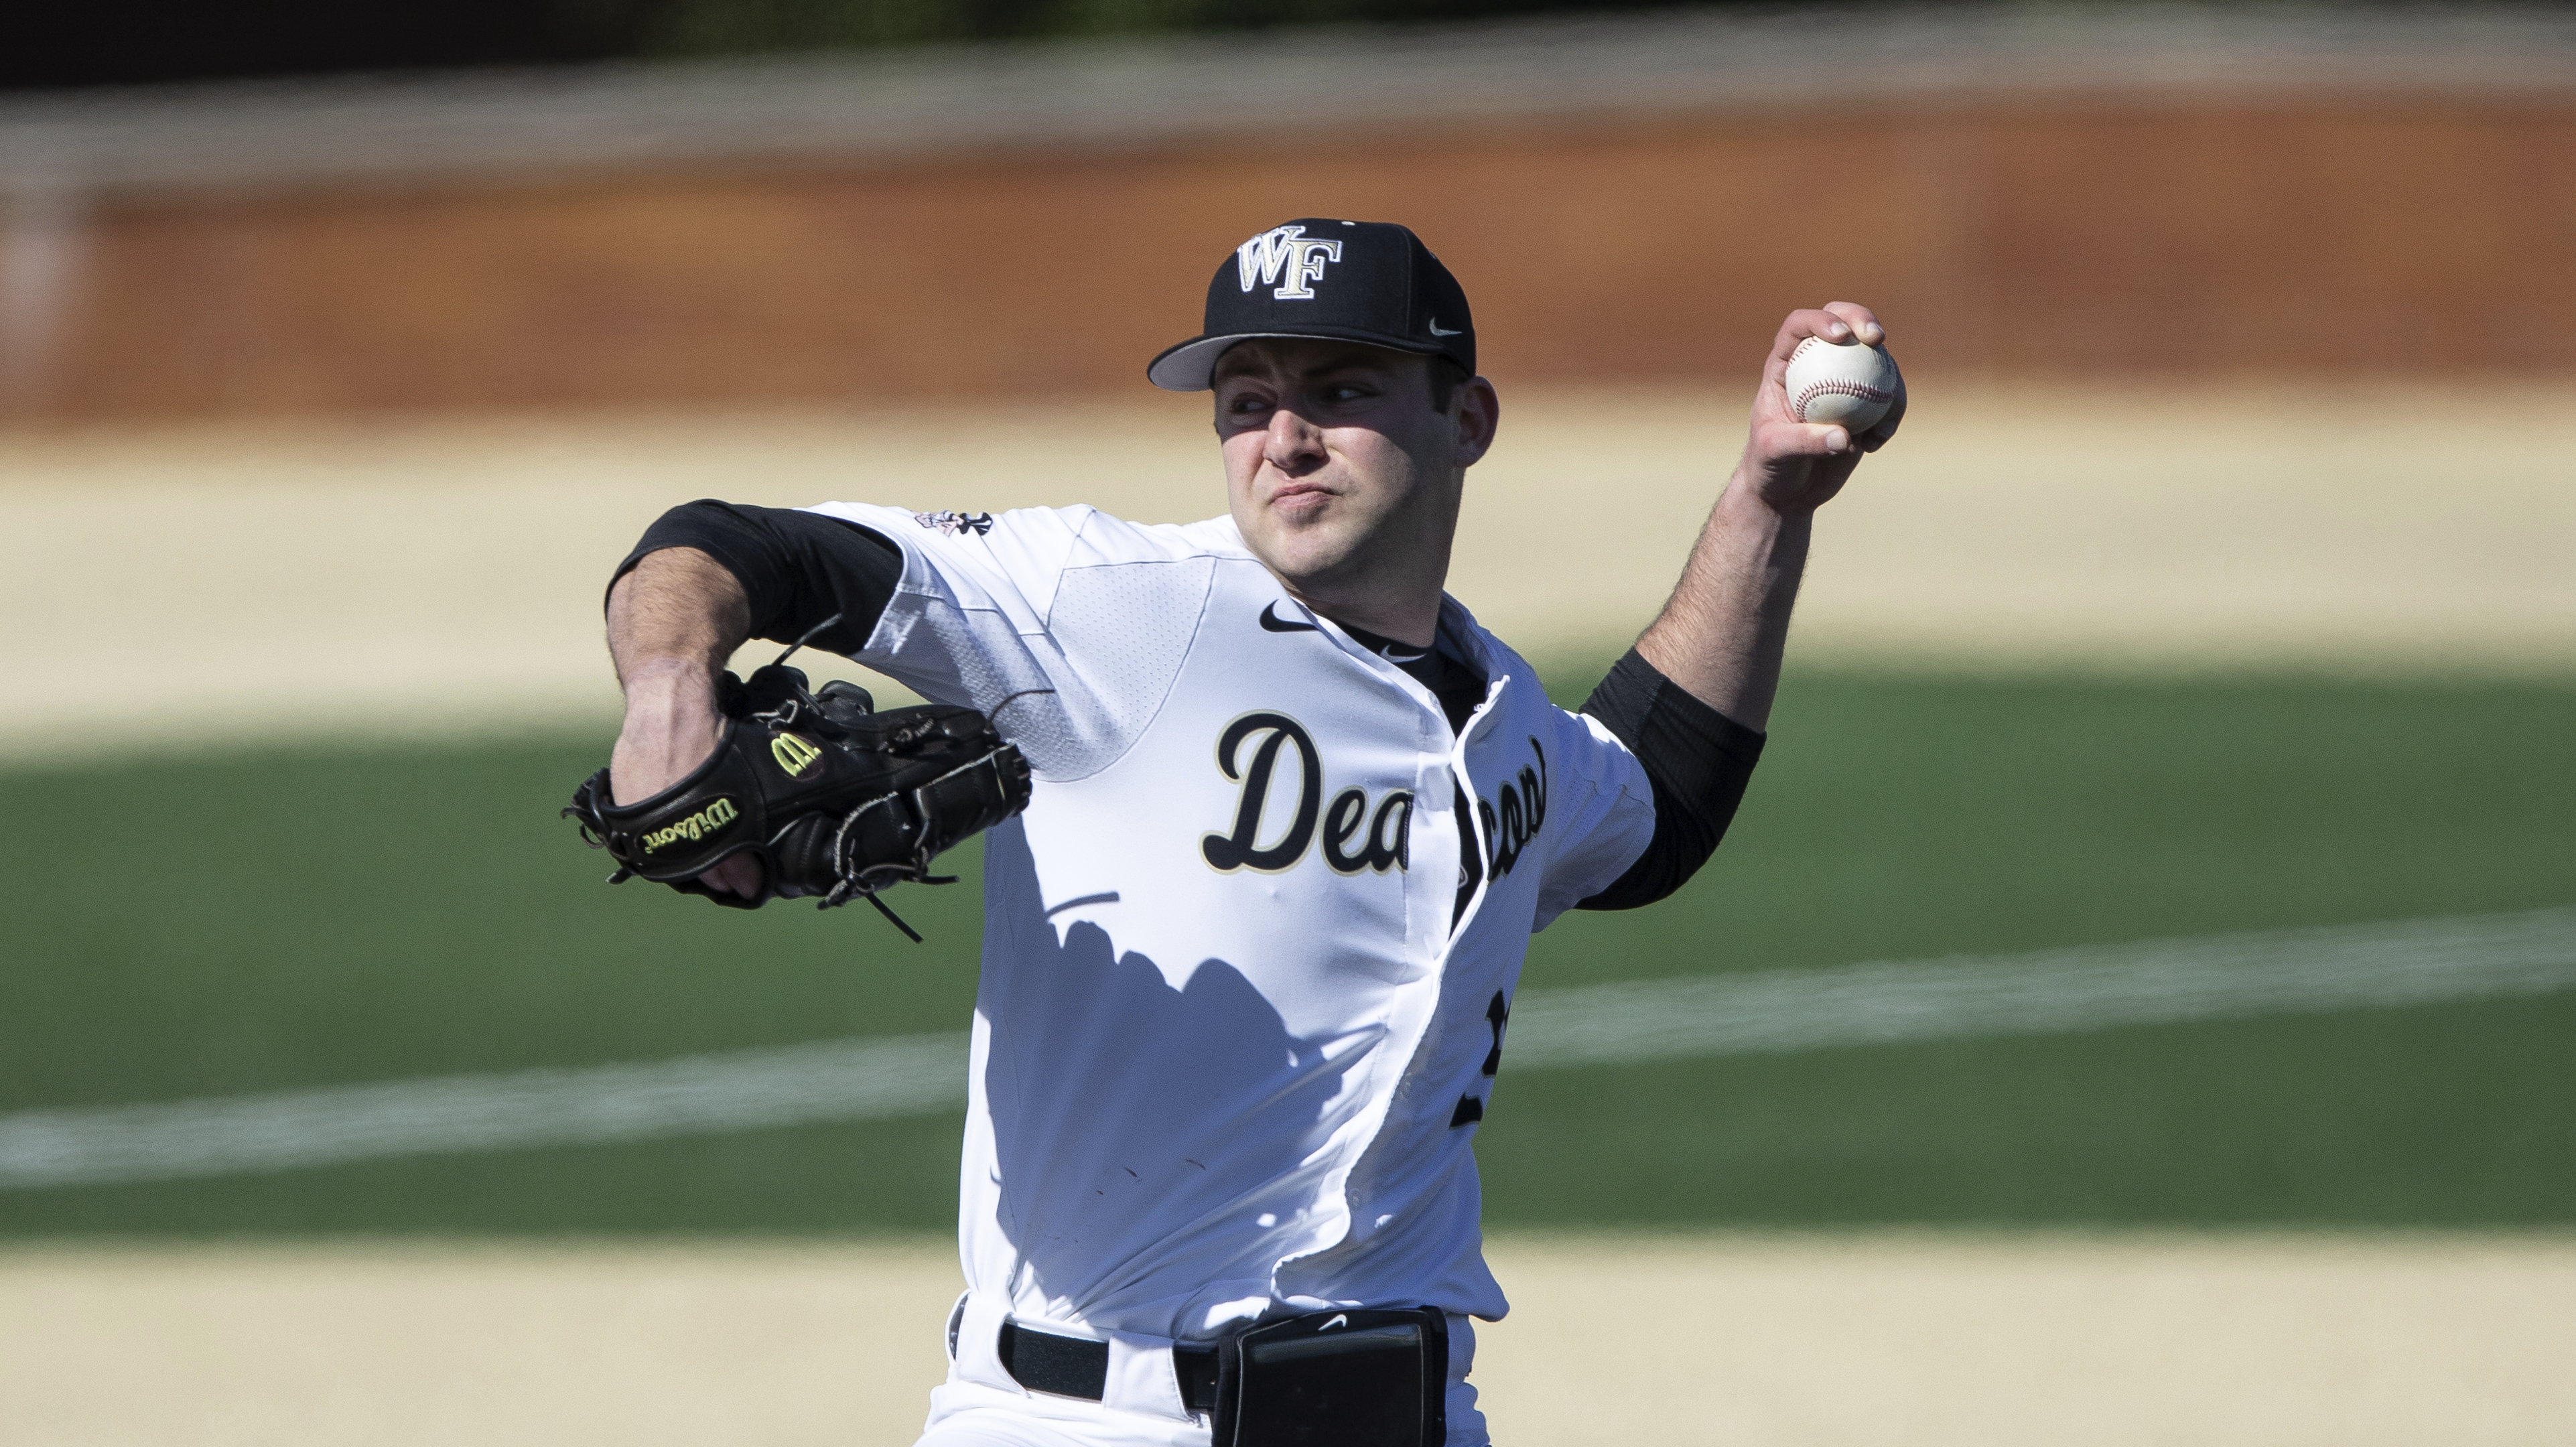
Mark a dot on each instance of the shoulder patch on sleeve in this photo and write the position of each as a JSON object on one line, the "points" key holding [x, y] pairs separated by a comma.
{"points": [[950, 522]]}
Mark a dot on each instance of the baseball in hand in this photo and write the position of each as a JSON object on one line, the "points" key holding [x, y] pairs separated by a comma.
{"points": [[1841, 384]]}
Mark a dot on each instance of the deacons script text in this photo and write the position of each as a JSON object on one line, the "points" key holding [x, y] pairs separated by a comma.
{"points": [[1356, 837]]}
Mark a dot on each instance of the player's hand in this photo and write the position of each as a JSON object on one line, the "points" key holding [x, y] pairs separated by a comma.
{"points": [[672, 726], [1795, 466]]}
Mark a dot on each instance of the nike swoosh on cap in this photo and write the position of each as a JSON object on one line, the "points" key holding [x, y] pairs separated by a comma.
{"points": [[1271, 621], [1438, 330]]}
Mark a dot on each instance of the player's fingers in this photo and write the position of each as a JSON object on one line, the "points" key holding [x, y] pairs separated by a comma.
{"points": [[1800, 325], [737, 875], [1878, 436], [1804, 323], [1802, 439], [1863, 322]]}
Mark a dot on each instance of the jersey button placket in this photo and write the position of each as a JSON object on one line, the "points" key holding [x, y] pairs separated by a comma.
{"points": [[1430, 895], [1478, 724]]}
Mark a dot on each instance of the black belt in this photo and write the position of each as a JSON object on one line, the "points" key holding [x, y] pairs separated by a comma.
{"points": [[1072, 1366]]}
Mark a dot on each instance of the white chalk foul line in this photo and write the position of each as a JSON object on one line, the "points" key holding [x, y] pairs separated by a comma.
{"points": [[2157, 982], [695, 1095], [2154, 982]]}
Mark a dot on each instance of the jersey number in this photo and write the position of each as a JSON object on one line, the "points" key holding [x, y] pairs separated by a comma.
{"points": [[1471, 1110]]}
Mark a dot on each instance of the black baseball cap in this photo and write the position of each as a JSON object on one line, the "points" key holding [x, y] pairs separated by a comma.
{"points": [[1352, 281]]}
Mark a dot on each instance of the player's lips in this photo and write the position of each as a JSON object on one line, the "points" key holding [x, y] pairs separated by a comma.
{"points": [[1299, 496]]}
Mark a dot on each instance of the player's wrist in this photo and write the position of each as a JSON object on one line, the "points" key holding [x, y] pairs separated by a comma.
{"points": [[672, 724], [670, 684], [1753, 499]]}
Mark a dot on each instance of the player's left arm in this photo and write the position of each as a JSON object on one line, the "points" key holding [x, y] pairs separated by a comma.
{"points": [[1690, 701]]}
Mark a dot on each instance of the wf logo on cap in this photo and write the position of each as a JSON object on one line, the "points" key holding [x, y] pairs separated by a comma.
{"points": [[1285, 251]]}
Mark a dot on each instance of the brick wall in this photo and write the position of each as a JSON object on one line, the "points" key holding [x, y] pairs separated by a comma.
{"points": [[2068, 238]]}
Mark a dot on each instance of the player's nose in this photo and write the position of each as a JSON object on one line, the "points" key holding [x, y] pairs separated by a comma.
{"points": [[1294, 444]]}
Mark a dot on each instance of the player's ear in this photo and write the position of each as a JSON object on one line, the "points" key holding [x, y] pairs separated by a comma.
{"points": [[1479, 412]]}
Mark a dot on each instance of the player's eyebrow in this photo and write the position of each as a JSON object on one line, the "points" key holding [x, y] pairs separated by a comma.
{"points": [[1326, 370], [1233, 367], [1237, 362], [1340, 367]]}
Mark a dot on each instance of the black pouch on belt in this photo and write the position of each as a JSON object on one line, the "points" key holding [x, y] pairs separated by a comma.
{"points": [[1336, 1379]]}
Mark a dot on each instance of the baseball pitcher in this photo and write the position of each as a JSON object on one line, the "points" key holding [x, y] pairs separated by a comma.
{"points": [[1271, 822]]}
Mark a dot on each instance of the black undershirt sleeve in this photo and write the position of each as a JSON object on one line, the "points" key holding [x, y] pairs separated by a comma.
{"points": [[797, 568], [1698, 760]]}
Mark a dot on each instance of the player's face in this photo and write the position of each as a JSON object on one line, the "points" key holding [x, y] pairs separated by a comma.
{"points": [[1339, 473]]}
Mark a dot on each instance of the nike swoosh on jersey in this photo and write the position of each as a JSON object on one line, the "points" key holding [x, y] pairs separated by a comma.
{"points": [[1271, 621]]}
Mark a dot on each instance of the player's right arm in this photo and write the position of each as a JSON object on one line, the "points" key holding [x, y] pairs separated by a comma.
{"points": [[1691, 700], [1723, 632]]}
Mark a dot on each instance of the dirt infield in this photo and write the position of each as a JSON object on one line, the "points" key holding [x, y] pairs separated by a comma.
{"points": [[434, 577], [1787, 1340]]}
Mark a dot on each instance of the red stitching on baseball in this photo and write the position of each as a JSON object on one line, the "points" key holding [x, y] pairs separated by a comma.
{"points": [[1862, 390]]}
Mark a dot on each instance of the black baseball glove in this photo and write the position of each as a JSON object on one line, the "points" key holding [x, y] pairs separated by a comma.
{"points": [[837, 800]]}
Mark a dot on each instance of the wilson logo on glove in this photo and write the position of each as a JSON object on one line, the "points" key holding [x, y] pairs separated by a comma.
{"points": [[900, 788], [697, 826], [793, 753]]}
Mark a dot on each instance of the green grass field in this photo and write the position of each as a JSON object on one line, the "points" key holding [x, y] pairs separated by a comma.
{"points": [[311, 916]]}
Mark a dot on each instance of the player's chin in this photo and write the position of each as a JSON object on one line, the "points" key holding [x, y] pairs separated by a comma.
{"points": [[1314, 523], [1309, 555]]}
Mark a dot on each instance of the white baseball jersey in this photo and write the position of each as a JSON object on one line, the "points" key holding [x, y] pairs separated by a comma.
{"points": [[1229, 1048]]}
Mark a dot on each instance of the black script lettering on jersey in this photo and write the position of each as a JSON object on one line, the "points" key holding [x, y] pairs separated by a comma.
{"points": [[1510, 826], [1240, 849], [1385, 842], [1355, 841]]}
